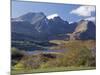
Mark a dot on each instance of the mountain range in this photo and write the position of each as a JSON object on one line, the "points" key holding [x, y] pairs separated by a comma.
{"points": [[36, 26]]}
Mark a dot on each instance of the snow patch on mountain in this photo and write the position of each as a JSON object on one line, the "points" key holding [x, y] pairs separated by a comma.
{"points": [[52, 16]]}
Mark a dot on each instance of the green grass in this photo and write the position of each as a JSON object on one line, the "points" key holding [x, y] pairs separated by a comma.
{"points": [[77, 50], [56, 69]]}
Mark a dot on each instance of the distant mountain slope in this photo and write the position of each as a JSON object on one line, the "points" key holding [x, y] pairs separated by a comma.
{"points": [[84, 30], [38, 27]]}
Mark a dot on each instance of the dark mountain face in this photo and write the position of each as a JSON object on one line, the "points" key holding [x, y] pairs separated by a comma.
{"points": [[90, 33], [72, 27], [84, 30], [36, 26], [31, 24], [58, 26], [31, 17]]}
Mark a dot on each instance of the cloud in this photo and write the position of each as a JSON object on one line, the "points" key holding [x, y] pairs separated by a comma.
{"points": [[52, 16], [91, 19], [83, 11]]}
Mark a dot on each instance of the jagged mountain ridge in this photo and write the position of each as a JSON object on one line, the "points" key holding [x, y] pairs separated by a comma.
{"points": [[39, 27]]}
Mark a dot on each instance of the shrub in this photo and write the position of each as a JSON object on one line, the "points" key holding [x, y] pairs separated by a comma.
{"points": [[78, 57], [16, 53], [78, 53], [16, 56]]}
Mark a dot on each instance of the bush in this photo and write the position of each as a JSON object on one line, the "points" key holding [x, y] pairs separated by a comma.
{"points": [[19, 66], [16, 56], [78, 57], [78, 53], [16, 53]]}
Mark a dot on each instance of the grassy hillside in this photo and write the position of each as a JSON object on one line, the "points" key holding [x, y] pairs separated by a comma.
{"points": [[73, 44], [78, 55]]}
